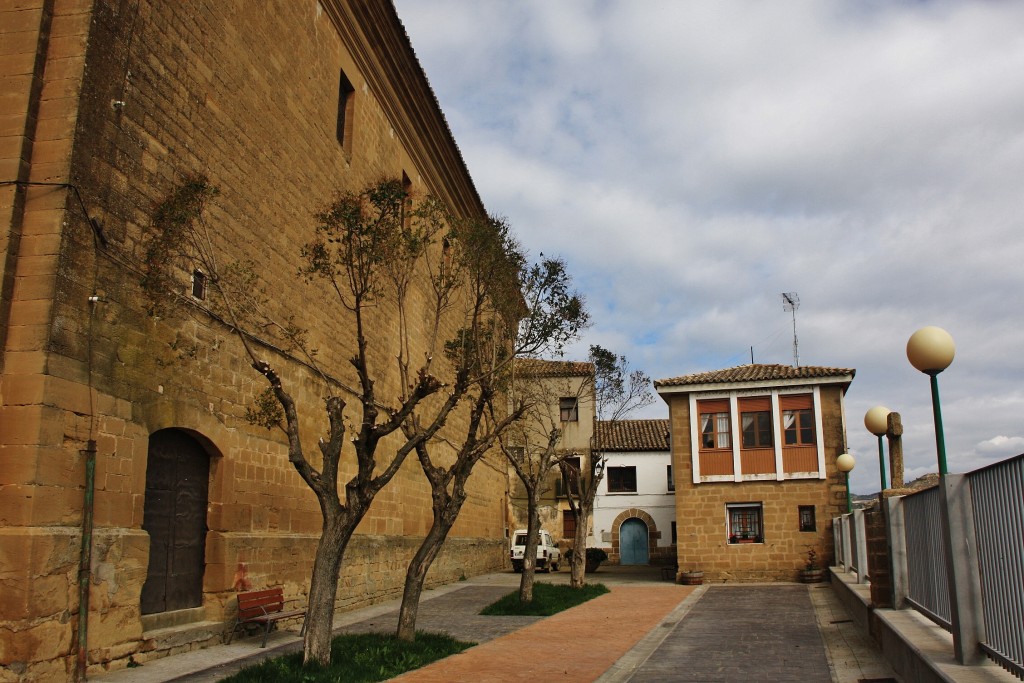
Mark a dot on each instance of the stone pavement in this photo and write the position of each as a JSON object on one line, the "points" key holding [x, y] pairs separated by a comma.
{"points": [[638, 632], [742, 633]]}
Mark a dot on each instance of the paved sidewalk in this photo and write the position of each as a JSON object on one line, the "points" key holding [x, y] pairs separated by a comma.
{"points": [[646, 629], [742, 633], [577, 645]]}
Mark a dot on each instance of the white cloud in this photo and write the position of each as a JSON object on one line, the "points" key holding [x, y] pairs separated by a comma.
{"points": [[693, 160]]}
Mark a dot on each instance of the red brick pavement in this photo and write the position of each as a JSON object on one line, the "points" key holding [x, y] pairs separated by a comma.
{"points": [[579, 644]]}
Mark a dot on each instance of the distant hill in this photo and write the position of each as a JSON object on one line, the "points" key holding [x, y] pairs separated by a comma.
{"points": [[925, 481]]}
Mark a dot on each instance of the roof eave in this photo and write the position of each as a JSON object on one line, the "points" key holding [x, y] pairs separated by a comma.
{"points": [[754, 384]]}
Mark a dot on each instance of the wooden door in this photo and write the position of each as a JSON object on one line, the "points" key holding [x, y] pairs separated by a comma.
{"points": [[633, 542], [174, 514]]}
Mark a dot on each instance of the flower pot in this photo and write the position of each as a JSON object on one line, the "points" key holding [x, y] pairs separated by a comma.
{"points": [[691, 578], [592, 565], [812, 575]]}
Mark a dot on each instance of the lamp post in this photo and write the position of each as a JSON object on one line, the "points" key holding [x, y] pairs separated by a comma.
{"points": [[845, 463], [931, 350], [876, 420]]}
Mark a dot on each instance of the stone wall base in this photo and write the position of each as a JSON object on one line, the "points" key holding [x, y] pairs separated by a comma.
{"points": [[38, 589]]}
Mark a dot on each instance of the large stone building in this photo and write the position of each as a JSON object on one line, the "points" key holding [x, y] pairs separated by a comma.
{"points": [[106, 106], [754, 453], [562, 397]]}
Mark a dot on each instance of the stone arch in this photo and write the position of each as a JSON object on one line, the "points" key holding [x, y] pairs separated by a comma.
{"points": [[652, 531]]}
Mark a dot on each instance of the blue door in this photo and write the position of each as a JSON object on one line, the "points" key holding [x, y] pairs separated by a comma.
{"points": [[633, 542]]}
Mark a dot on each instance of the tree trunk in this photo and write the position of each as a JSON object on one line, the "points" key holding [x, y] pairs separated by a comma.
{"points": [[323, 589], [416, 574], [532, 541], [579, 549]]}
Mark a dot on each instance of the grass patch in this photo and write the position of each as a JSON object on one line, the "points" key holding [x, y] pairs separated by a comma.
{"points": [[356, 658], [548, 599]]}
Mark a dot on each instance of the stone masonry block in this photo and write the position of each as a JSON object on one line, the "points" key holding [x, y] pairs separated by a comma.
{"points": [[28, 337], [16, 503], [42, 222], [35, 287], [41, 244], [12, 125], [59, 467], [20, 63], [20, 15], [45, 640], [18, 42], [113, 509]]}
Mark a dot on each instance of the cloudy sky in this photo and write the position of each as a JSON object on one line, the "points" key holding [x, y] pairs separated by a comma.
{"points": [[693, 160]]}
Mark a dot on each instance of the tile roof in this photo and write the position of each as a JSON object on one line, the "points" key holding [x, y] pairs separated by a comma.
{"points": [[754, 373], [632, 435], [536, 367]]}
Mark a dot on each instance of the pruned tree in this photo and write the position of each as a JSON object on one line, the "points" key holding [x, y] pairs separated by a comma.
{"points": [[486, 259], [371, 251], [534, 446], [617, 392]]}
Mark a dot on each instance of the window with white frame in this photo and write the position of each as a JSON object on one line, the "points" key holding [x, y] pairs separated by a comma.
{"points": [[671, 481], [798, 427], [745, 522], [715, 430], [757, 429], [797, 419], [756, 422]]}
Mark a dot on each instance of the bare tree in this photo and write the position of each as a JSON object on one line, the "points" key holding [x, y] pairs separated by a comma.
{"points": [[492, 270], [369, 249], [617, 391], [534, 446]]}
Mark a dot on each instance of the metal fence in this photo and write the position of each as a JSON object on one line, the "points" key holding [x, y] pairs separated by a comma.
{"points": [[927, 575], [839, 534], [850, 537], [973, 587], [997, 495]]}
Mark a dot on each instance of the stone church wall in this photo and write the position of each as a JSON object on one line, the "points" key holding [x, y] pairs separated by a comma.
{"points": [[122, 99]]}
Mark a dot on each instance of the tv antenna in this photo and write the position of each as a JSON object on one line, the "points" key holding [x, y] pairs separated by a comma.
{"points": [[791, 302]]}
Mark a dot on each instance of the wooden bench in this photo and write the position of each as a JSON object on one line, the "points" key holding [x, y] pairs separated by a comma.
{"points": [[264, 607]]}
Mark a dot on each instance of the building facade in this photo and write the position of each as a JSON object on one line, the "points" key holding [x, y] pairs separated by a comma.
{"points": [[753, 453], [634, 509], [561, 394], [107, 106]]}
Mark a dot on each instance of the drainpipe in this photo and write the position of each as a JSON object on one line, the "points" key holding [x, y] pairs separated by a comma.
{"points": [[85, 560]]}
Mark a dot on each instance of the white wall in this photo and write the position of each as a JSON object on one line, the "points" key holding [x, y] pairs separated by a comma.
{"points": [[652, 496]]}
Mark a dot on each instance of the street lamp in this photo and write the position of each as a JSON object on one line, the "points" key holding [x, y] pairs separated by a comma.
{"points": [[931, 350], [877, 423], [845, 463]]}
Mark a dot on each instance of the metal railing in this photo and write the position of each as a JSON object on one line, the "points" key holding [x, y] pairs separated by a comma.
{"points": [[997, 494], [972, 586], [850, 536], [839, 534], [928, 583]]}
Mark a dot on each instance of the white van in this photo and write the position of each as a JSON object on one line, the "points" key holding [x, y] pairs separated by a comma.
{"points": [[548, 554]]}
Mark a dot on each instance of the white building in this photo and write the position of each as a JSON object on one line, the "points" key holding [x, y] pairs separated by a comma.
{"points": [[634, 510]]}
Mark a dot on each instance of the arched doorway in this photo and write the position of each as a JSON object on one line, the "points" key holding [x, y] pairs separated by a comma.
{"points": [[174, 514], [633, 542]]}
